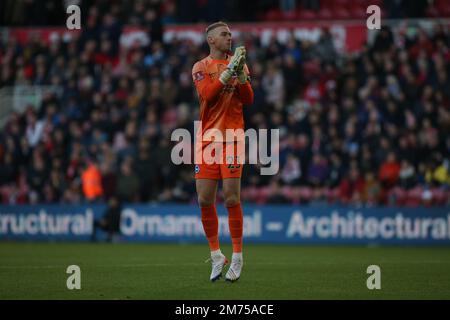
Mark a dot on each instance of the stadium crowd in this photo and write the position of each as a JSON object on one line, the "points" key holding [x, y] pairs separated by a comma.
{"points": [[365, 129], [52, 12]]}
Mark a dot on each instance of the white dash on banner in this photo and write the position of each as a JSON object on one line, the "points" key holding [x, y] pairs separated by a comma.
{"points": [[274, 226]]}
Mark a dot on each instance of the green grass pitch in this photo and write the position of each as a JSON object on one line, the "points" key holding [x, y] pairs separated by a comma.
{"points": [[172, 271]]}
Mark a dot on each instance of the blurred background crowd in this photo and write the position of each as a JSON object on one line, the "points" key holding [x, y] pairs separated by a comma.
{"points": [[45, 13], [364, 129]]}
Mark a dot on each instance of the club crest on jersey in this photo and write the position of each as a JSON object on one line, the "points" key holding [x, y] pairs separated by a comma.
{"points": [[199, 76]]}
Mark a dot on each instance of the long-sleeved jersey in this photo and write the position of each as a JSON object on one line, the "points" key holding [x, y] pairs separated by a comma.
{"points": [[221, 106]]}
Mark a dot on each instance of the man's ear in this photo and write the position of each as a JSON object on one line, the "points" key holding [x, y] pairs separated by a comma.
{"points": [[210, 39]]}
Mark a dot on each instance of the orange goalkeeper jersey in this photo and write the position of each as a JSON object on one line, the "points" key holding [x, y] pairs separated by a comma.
{"points": [[220, 105]]}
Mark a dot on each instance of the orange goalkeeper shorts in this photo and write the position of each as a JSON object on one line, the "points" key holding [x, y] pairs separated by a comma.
{"points": [[229, 166]]}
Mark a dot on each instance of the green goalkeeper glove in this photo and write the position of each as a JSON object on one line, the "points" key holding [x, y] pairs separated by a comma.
{"points": [[233, 66], [241, 75]]}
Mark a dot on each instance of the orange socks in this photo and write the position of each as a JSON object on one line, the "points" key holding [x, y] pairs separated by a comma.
{"points": [[211, 226], [235, 223], [210, 223]]}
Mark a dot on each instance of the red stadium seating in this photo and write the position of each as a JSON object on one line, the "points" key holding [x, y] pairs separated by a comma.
{"points": [[306, 14], [274, 15], [342, 13], [325, 13], [443, 7], [358, 11], [290, 15]]}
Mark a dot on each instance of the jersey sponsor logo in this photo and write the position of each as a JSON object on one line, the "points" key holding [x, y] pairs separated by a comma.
{"points": [[199, 76]]}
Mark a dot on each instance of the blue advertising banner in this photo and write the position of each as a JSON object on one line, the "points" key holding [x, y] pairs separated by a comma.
{"points": [[262, 224]]}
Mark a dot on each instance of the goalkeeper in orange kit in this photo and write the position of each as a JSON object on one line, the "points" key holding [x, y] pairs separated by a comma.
{"points": [[223, 87]]}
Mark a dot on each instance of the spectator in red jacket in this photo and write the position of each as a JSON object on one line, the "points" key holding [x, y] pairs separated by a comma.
{"points": [[352, 187], [389, 171]]}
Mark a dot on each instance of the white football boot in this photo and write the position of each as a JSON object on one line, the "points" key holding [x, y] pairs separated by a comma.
{"points": [[218, 261], [234, 272]]}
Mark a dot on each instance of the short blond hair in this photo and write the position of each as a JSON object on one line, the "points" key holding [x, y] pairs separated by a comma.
{"points": [[215, 25]]}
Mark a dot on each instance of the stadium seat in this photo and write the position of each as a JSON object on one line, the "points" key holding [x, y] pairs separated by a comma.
{"points": [[342, 14], [306, 14], [306, 194], [287, 192], [290, 15], [340, 3], [250, 193], [440, 196], [443, 7], [326, 4], [366, 3], [397, 196], [358, 12], [324, 14], [414, 197], [274, 15], [332, 194], [296, 195], [432, 12], [263, 194]]}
